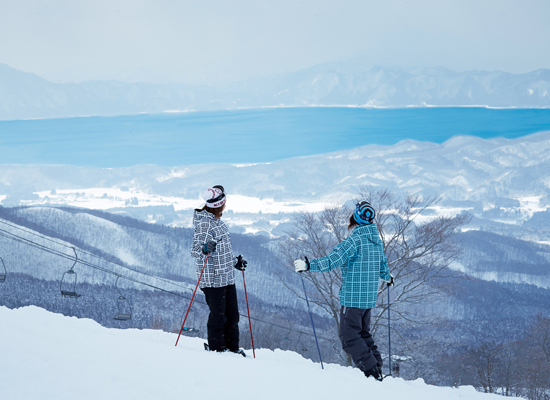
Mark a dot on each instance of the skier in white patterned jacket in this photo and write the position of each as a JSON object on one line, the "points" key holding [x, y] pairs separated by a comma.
{"points": [[211, 239], [362, 263]]}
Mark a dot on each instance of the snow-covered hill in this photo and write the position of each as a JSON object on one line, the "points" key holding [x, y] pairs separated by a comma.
{"points": [[49, 356], [501, 180], [493, 257], [504, 183], [24, 95], [359, 85], [152, 254]]}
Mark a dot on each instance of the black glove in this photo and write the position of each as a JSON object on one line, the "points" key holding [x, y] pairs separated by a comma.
{"points": [[209, 247], [307, 262], [390, 283], [241, 264]]}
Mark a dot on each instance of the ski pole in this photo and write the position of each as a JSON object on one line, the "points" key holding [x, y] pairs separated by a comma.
{"points": [[249, 323], [311, 317], [191, 302], [389, 331]]}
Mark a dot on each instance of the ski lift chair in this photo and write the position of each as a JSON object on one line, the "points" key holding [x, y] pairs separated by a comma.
{"points": [[193, 328], [68, 281], [3, 272], [124, 306]]}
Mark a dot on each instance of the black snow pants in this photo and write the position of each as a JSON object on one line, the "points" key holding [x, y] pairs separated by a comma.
{"points": [[356, 338], [223, 321]]}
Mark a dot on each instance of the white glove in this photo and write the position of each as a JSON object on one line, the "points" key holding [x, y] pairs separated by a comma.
{"points": [[300, 266]]}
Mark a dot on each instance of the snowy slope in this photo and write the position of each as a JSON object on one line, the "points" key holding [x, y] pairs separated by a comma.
{"points": [[49, 356]]}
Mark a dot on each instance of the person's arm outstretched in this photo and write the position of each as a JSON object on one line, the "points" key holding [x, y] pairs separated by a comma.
{"points": [[340, 256]]}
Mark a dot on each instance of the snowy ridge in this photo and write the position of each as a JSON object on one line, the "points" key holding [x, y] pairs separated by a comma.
{"points": [[465, 171], [156, 255], [24, 95], [503, 182], [74, 358]]}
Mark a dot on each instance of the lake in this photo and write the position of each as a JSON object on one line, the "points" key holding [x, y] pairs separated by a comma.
{"points": [[247, 136]]}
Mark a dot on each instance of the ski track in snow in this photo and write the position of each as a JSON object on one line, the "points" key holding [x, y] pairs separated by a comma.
{"points": [[50, 356]]}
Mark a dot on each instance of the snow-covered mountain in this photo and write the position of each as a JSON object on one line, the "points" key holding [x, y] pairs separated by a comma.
{"points": [[24, 95], [155, 257], [72, 358], [149, 263], [501, 258], [344, 84], [153, 254], [503, 183], [499, 180]]}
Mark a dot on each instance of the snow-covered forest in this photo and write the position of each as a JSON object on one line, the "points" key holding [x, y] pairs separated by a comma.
{"points": [[475, 321]]}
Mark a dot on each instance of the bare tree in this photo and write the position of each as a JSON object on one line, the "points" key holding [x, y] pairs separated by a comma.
{"points": [[419, 249], [535, 366], [518, 368], [419, 252], [540, 335], [315, 235], [486, 362]]}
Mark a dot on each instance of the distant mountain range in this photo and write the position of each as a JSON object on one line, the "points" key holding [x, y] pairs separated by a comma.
{"points": [[25, 95]]}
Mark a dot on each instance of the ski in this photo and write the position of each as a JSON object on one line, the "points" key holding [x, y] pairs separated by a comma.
{"points": [[240, 351]]}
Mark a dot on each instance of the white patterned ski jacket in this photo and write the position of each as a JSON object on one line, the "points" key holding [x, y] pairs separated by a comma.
{"points": [[219, 269]]}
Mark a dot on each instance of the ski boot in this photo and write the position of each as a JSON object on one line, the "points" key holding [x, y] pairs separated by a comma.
{"points": [[220, 350], [375, 372], [239, 351]]}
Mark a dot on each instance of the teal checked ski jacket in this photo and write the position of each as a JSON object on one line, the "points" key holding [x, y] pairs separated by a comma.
{"points": [[362, 263]]}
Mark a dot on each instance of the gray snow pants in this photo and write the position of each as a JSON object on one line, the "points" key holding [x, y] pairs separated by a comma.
{"points": [[356, 338]]}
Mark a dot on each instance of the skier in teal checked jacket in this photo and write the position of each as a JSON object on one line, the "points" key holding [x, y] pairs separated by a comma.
{"points": [[362, 263]]}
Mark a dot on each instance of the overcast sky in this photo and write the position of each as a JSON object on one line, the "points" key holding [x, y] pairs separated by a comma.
{"points": [[215, 41]]}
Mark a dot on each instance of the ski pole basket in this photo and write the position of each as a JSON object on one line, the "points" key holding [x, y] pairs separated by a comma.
{"points": [[3, 271], [67, 285], [124, 306]]}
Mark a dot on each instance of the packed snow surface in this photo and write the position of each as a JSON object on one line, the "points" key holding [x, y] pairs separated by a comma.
{"points": [[50, 356]]}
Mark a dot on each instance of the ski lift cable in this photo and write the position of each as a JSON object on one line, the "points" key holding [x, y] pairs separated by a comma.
{"points": [[88, 253], [28, 242], [86, 263], [111, 272], [3, 221], [131, 269], [61, 254], [91, 254]]}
